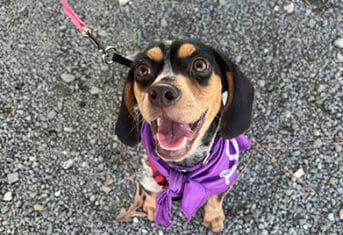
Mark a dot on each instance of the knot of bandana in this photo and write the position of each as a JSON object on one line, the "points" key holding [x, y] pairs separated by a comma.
{"points": [[198, 183]]}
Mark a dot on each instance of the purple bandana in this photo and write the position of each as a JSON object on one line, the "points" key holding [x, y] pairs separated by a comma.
{"points": [[194, 185]]}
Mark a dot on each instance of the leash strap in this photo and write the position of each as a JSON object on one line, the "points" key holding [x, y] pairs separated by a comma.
{"points": [[110, 54]]}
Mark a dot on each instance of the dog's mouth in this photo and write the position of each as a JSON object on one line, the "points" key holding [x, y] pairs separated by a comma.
{"points": [[174, 139]]}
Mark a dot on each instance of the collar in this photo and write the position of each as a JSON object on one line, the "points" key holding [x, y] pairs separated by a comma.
{"points": [[200, 182]]}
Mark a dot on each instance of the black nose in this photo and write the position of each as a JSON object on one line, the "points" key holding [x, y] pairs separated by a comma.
{"points": [[163, 94]]}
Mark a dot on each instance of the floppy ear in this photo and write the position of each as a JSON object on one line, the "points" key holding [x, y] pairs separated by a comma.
{"points": [[237, 111], [128, 125]]}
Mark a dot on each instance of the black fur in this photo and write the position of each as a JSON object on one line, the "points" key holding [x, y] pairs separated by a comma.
{"points": [[237, 118], [127, 127]]}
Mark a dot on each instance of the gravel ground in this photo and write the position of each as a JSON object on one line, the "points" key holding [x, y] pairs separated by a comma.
{"points": [[59, 102]]}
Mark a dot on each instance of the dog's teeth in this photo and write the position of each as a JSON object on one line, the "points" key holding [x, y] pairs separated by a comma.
{"points": [[158, 121]]}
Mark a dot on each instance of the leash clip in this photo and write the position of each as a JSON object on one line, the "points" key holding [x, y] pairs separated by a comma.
{"points": [[104, 51], [109, 54]]}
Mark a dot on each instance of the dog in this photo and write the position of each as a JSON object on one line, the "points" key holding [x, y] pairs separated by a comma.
{"points": [[185, 96]]}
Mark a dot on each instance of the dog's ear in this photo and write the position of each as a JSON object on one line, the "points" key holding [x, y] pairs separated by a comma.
{"points": [[236, 112], [128, 124]]}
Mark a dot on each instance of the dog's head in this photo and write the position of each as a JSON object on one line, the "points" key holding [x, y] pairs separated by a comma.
{"points": [[187, 92]]}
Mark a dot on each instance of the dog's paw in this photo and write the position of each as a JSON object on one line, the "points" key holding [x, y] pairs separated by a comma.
{"points": [[214, 220], [149, 206], [214, 214]]}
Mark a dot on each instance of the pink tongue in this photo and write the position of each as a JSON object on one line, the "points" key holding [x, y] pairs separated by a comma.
{"points": [[172, 135]]}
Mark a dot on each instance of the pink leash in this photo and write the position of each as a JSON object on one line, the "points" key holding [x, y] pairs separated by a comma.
{"points": [[109, 54], [74, 18]]}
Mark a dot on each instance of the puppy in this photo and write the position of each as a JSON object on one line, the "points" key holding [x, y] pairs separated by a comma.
{"points": [[186, 102]]}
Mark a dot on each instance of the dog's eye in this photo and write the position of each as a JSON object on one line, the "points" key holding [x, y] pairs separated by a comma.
{"points": [[142, 71], [200, 65]]}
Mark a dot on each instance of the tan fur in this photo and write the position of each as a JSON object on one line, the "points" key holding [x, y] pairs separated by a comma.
{"points": [[186, 50], [155, 54], [206, 98], [129, 98], [195, 100], [230, 89], [214, 215]]}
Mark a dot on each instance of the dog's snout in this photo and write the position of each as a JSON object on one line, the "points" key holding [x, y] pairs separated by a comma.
{"points": [[163, 94]]}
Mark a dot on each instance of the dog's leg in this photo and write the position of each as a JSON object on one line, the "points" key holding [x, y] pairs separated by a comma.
{"points": [[150, 189], [214, 214]]}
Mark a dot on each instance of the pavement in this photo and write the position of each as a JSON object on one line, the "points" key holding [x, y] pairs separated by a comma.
{"points": [[63, 170]]}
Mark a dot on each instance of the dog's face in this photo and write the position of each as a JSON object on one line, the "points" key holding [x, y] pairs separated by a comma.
{"points": [[178, 90]]}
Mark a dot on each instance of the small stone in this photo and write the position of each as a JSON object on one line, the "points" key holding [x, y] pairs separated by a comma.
{"points": [[275, 229], [68, 129], [59, 105], [92, 198], [339, 57], [57, 193], [21, 46], [95, 91], [316, 133], [164, 23], [287, 114], [321, 88], [68, 78], [289, 8], [102, 33], [38, 207], [261, 82], [338, 42], [93, 141], [299, 173], [135, 220], [62, 27], [32, 158], [123, 2], [8, 197], [84, 165], [33, 195], [264, 232], [68, 164], [49, 229], [12, 178], [333, 181], [317, 143], [4, 210], [18, 204], [331, 217], [312, 23], [106, 189], [239, 59], [341, 214], [51, 114], [104, 67], [302, 222]]}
